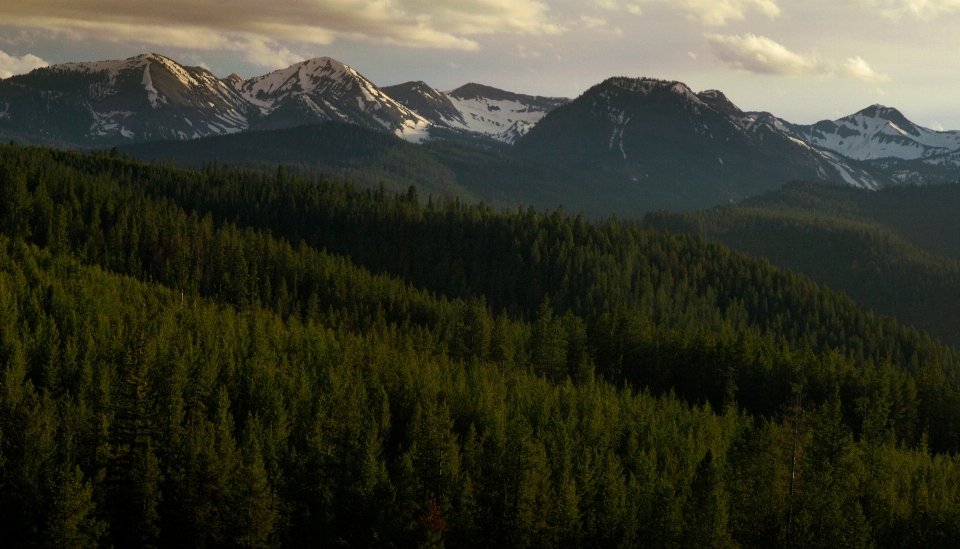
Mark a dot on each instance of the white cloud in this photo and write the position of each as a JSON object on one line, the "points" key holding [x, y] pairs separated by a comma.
{"points": [[920, 9], [258, 28], [608, 4], [268, 54], [720, 12], [593, 22], [936, 126], [856, 67], [761, 55], [708, 12], [630, 6], [11, 64]]}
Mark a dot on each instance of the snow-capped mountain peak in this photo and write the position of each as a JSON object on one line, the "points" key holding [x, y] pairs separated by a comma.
{"points": [[322, 89], [153, 97], [877, 113], [141, 98], [879, 132], [310, 76]]}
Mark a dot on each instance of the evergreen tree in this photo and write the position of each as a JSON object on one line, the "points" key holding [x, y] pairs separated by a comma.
{"points": [[15, 203], [134, 471], [71, 519], [705, 513]]}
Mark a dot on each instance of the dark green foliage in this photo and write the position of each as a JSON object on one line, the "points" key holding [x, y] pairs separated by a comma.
{"points": [[878, 247], [182, 366], [925, 215], [14, 203]]}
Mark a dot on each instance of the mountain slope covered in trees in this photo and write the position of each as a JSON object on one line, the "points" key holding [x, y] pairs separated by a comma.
{"points": [[891, 250], [927, 216], [224, 358], [471, 169], [333, 149]]}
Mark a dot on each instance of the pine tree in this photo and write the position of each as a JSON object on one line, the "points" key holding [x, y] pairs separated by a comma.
{"points": [[15, 203], [134, 471], [252, 498], [705, 511], [548, 345], [71, 519]]}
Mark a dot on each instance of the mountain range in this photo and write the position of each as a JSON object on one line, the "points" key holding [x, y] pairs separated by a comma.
{"points": [[651, 143], [151, 97]]}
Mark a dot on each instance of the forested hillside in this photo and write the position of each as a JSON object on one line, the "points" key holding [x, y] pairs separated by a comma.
{"points": [[332, 149], [927, 216], [468, 165], [894, 251], [475, 167], [221, 358]]}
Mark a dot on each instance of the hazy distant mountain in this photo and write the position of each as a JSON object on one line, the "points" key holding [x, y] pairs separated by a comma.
{"points": [[885, 139], [626, 146], [879, 132]]}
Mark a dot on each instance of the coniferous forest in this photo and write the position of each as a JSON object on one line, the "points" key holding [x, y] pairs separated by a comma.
{"points": [[226, 358]]}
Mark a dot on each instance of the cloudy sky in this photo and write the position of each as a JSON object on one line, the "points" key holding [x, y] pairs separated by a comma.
{"points": [[804, 60]]}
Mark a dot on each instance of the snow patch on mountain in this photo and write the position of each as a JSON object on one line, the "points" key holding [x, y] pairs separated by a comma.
{"points": [[504, 120], [502, 115], [152, 94], [415, 131]]}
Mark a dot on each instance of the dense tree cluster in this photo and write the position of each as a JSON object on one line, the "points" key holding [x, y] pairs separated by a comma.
{"points": [[220, 358]]}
